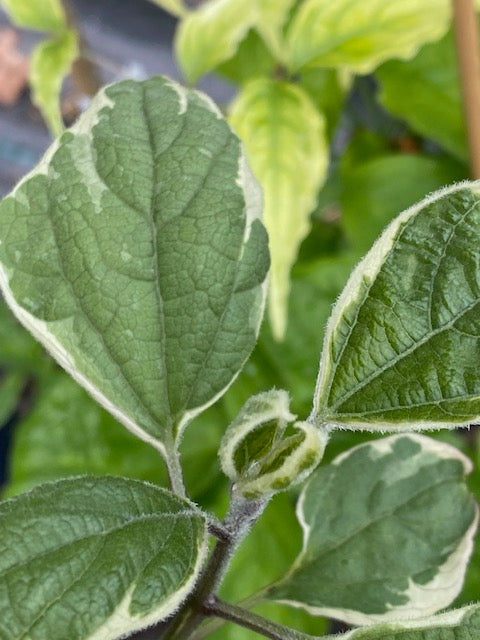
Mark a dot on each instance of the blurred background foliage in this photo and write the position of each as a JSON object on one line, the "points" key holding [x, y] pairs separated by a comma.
{"points": [[350, 113]]}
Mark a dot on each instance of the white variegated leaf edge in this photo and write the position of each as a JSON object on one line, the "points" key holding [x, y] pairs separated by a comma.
{"points": [[312, 446], [120, 622], [435, 595], [369, 266], [40, 330], [278, 409], [447, 619]]}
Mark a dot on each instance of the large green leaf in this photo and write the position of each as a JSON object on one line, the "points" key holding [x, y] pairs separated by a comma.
{"points": [[134, 252], [388, 529], [361, 35], [432, 106], [95, 558], [402, 344], [459, 624], [284, 137], [42, 15], [50, 62], [212, 34], [373, 191]]}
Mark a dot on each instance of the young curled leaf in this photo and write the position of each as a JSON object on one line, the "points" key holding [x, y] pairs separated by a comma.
{"points": [[262, 454]]}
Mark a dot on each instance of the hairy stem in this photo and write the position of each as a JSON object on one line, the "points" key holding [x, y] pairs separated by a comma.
{"points": [[240, 518], [253, 621], [174, 468], [467, 45], [216, 622]]}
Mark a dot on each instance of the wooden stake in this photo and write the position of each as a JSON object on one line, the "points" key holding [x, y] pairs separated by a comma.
{"points": [[467, 44]]}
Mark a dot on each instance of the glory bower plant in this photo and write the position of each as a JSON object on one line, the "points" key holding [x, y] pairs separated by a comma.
{"points": [[134, 252]]}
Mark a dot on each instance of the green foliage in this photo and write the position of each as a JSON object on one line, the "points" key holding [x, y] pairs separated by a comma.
{"points": [[401, 351], [402, 492], [211, 35], [360, 36], [52, 59], [135, 253], [41, 15], [432, 106], [262, 454], [151, 338], [284, 137], [460, 624], [84, 553]]}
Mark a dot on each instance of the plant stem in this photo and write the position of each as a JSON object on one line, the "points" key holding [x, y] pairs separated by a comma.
{"points": [[174, 468], [467, 45], [240, 518], [253, 621], [215, 623]]}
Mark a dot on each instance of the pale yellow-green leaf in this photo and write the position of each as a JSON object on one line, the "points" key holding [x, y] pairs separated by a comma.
{"points": [[42, 15], [50, 63], [284, 136], [271, 20], [172, 6], [211, 34], [360, 35]]}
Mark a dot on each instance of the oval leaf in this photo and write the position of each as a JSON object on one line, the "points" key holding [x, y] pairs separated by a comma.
{"points": [[95, 558], [42, 15], [402, 344], [50, 62], [134, 253], [284, 135], [212, 34], [361, 35], [458, 624], [388, 530]]}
